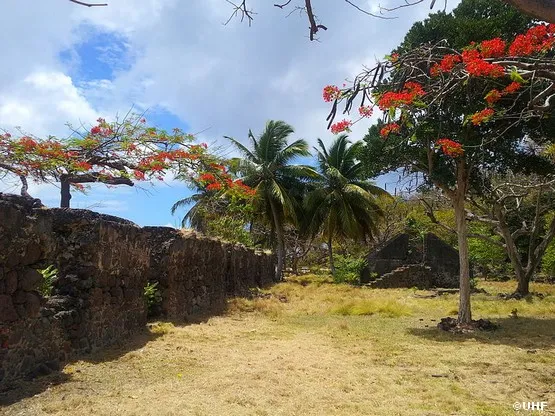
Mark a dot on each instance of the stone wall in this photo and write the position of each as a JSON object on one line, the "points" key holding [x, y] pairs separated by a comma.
{"points": [[441, 263], [104, 264], [414, 275]]}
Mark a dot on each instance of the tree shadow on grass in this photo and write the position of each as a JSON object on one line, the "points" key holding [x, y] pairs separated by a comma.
{"points": [[21, 389], [525, 333]]}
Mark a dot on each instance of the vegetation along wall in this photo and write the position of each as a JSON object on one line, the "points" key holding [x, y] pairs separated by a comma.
{"points": [[72, 281]]}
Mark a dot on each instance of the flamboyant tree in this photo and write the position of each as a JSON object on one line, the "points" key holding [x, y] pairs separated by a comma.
{"points": [[122, 152], [450, 113]]}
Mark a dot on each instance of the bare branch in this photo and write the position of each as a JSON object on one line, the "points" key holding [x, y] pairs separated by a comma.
{"points": [[82, 3]]}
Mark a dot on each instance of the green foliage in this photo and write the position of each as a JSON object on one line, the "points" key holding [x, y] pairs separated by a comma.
{"points": [[230, 229], [548, 261], [48, 275], [470, 21], [152, 296], [348, 269], [489, 260]]}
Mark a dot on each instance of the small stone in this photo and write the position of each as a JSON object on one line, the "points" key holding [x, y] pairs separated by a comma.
{"points": [[30, 280], [11, 282], [7, 309]]}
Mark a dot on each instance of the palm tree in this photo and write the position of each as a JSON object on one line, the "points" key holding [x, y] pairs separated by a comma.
{"points": [[342, 203], [267, 168], [203, 208]]}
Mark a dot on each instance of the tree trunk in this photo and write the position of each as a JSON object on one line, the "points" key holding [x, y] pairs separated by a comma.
{"points": [[65, 193], [280, 245], [330, 253], [24, 186], [523, 287], [465, 315], [541, 9]]}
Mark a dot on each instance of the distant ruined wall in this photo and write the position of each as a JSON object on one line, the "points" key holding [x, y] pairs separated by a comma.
{"points": [[104, 264]]}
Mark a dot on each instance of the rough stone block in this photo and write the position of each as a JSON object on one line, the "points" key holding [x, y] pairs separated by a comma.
{"points": [[29, 279]]}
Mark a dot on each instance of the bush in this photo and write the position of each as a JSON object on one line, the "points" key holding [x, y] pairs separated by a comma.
{"points": [[48, 275], [153, 297], [348, 269], [548, 261]]}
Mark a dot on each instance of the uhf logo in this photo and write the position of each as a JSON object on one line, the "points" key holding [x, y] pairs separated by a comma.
{"points": [[530, 406]]}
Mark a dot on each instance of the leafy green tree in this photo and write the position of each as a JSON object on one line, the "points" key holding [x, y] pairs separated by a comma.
{"points": [[458, 117], [267, 168], [342, 204]]}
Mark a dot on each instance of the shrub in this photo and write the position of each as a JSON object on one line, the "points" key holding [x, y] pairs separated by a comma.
{"points": [[548, 261], [153, 297], [48, 275], [348, 269]]}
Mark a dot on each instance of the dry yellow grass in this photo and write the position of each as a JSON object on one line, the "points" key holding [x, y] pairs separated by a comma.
{"points": [[321, 349]]}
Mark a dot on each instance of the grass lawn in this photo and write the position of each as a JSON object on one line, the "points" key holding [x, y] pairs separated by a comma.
{"points": [[313, 348]]}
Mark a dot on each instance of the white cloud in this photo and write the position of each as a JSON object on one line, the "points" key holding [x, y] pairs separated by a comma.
{"points": [[42, 102]]}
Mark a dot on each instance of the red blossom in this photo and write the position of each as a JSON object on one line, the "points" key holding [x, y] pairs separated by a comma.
{"points": [[493, 48], [82, 165], [139, 175], [540, 38], [450, 147], [365, 111], [207, 177], [341, 126], [390, 128], [493, 96], [27, 143], [446, 65], [331, 93], [410, 91], [512, 88], [214, 186], [482, 116]]}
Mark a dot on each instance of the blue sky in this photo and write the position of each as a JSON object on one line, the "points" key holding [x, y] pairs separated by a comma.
{"points": [[186, 69]]}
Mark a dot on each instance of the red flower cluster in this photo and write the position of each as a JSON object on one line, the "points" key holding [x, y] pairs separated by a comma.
{"points": [[390, 128], [410, 92], [331, 93], [493, 48], [446, 65], [512, 88], [214, 186], [222, 181], [493, 96], [341, 126], [139, 175], [102, 131], [82, 165], [450, 147], [365, 111], [27, 143], [482, 116], [245, 189], [207, 177], [540, 38], [476, 66]]}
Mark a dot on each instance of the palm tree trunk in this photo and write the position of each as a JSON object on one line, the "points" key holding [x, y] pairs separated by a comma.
{"points": [[330, 253], [280, 246]]}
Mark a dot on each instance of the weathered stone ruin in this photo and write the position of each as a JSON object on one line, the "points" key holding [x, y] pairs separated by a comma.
{"points": [[412, 261], [103, 264]]}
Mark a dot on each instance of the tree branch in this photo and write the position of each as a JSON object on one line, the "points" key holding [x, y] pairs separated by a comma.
{"points": [[82, 3]]}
